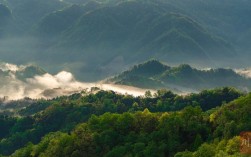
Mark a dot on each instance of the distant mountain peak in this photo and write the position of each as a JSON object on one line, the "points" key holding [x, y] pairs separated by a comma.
{"points": [[149, 68], [154, 74], [185, 67]]}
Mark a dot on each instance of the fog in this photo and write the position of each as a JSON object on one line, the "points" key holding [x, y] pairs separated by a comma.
{"points": [[48, 86], [244, 72]]}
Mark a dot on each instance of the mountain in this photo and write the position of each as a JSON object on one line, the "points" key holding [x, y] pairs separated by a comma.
{"points": [[152, 33], [59, 21], [29, 12], [142, 75], [186, 76], [154, 74], [9, 72], [95, 35], [228, 20], [31, 81], [29, 72], [153, 109], [213, 15], [108, 36]]}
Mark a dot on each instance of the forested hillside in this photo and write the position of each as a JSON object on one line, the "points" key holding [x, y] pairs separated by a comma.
{"points": [[155, 75], [187, 93], [108, 124], [29, 123]]}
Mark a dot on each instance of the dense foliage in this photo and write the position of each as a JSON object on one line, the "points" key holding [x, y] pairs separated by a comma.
{"points": [[65, 113], [97, 38], [186, 133]]}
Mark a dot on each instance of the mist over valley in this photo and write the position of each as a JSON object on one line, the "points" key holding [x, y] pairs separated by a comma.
{"points": [[125, 78], [97, 39]]}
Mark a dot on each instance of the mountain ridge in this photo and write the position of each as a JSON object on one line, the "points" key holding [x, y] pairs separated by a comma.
{"points": [[181, 77], [96, 34]]}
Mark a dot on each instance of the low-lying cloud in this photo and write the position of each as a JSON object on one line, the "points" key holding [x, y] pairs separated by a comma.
{"points": [[244, 72], [48, 86]]}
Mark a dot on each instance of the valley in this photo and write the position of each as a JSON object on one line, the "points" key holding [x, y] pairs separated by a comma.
{"points": [[125, 78]]}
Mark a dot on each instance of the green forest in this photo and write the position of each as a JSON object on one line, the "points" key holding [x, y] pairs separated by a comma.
{"points": [[67, 89], [105, 123]]}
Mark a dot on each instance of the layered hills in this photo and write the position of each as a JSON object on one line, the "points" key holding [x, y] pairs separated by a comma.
{"points": [[106, 36], [154, 74], [177, 107], [115, 31]]}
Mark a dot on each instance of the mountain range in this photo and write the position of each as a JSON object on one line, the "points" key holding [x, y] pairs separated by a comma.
{"points": [[107, 36], [124, 78], [21, 81], [156, 75], [32, 82]]}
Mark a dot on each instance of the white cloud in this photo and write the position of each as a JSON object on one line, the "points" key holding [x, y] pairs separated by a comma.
{"points": [[64, 77], [8, 67], [49, 86], [244, 72]]}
